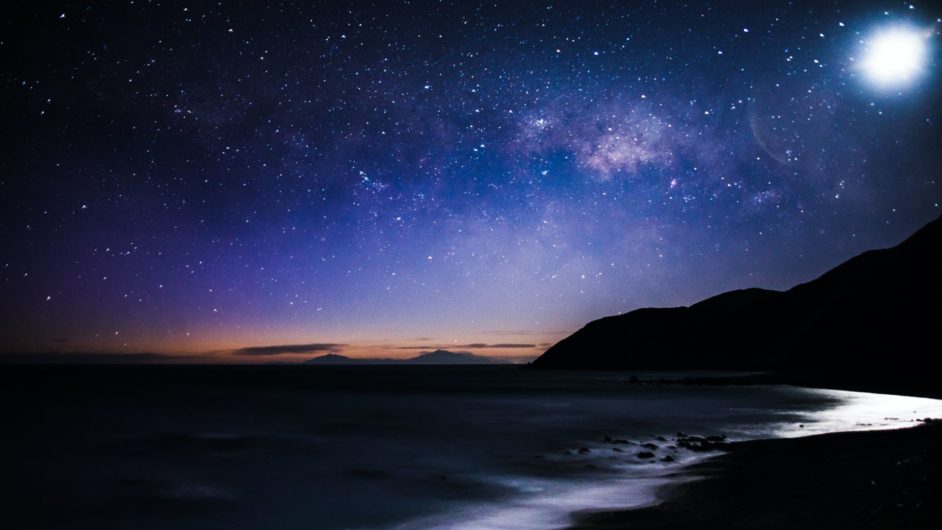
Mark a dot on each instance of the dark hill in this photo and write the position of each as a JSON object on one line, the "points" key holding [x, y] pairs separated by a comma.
{"points": [[875, 315], [449, 357], [333, 358], [432, 357]]}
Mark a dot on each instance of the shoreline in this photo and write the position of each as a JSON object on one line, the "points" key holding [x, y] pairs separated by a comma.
{"points": [[601, 496], [858, 479]]}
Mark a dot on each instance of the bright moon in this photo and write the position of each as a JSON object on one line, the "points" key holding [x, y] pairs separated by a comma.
{"points": [[894, 57]]}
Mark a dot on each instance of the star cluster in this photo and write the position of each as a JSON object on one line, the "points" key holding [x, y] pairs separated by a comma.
{"points": [[208, 176]]}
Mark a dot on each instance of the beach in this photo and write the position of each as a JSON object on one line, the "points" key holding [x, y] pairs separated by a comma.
{"points": [[877, 479]]}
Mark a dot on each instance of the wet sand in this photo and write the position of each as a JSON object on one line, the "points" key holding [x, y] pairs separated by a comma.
{"points": [[876, 479]]}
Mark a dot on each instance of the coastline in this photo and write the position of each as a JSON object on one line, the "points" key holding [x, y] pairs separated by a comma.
{"points": [[172, 458], [869, 479]]}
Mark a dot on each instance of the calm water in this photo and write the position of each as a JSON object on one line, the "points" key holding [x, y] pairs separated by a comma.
{"points": [[370, 447]]}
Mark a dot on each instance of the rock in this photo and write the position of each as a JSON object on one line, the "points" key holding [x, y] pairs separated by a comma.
{"points": [[645, 455], [617, 450], [649, 446], [719, 438], [667, 458], [584, 450], [660, 439]]}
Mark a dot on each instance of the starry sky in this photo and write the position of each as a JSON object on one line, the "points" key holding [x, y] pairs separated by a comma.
{"points": [[227, 181]]}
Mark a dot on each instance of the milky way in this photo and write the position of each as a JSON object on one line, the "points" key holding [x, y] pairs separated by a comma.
{"points": [[205, 177]]}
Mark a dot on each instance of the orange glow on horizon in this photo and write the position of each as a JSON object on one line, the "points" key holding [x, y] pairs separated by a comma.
{"points": [[264, 347]]}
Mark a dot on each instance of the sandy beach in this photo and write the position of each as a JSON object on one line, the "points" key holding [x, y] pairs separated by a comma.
{"points": [[877, 479]]}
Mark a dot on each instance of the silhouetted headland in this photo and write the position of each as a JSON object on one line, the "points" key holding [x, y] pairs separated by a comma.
{"points": [[872, 321]]}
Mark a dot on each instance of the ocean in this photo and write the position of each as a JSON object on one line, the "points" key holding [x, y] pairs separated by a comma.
{"points": [[340, 447]]}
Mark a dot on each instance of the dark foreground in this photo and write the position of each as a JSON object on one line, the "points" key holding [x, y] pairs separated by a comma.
{"points": [[882, 479]]}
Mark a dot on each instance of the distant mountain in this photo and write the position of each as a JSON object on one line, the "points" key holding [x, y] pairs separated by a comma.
{"points": [[877, 314], [433, 357], [333, 358], [449, 357]]}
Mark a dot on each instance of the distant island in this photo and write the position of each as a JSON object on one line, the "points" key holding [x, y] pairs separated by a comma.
{"points": [[430, 357], [874, 318]]}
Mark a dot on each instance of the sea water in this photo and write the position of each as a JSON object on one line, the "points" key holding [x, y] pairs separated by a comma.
{"points": [[375, 446]]}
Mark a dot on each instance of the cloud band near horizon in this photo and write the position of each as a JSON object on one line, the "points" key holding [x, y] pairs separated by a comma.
{"points": [[283, 349]]}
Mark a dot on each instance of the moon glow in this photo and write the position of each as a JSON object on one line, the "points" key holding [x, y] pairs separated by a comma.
{"points": [[895, 57]]}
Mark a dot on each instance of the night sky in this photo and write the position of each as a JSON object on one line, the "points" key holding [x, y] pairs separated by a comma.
{"points": [[246, 183]]}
